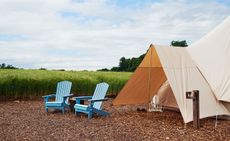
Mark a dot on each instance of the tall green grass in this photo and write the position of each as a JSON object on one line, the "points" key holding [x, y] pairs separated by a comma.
{"points": [[35, 83]]}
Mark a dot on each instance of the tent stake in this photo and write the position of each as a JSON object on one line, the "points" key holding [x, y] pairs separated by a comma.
{"points": [[194, 95]]}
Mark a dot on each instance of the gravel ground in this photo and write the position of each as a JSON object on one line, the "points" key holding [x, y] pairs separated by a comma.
{"points": [[27, 120]]}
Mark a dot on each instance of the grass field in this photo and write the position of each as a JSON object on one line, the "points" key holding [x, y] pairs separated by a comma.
{"points": [[34, 83]]}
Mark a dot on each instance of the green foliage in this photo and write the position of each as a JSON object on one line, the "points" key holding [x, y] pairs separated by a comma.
{"points": [[179, 43], [128, 65], [104, 69], [4, 66], [36, 83], [42, 69], [115, 69]]}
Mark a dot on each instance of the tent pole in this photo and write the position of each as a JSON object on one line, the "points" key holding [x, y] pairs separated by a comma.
{"points": [[185, 125], [216, 114], [194, 95], [149, 80], [196, 109]]}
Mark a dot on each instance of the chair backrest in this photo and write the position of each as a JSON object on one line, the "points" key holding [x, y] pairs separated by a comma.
{"points": [[63, 88], [100, 93]]}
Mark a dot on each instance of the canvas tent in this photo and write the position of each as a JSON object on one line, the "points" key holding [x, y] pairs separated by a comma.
{"points": [[215, 64], [175, 65]]}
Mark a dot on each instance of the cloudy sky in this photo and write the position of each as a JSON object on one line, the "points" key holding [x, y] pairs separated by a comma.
{"points": [[93, 34]]}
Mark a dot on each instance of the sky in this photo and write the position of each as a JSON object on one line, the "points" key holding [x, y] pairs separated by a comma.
{"points": [[94, 34]]}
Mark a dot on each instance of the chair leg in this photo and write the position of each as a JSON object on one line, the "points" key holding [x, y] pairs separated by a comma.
{"points": [[75, 113], [46, 109], [90, 114], [63, 110], [100, 112]]}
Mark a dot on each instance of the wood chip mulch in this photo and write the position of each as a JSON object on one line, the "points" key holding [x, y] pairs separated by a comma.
{"points": [[27, 120]]}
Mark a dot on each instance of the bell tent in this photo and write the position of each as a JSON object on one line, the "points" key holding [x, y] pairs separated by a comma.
{"points": [[175, 65], [212, 56]]}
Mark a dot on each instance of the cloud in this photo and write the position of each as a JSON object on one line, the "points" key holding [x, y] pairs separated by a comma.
{"points": [[93, 34]]}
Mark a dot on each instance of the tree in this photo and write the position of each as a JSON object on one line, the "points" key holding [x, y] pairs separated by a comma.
{"points": [[128, 64], [182, 43], [104, 69], [115, 69], [124, 64], [4, 66]]}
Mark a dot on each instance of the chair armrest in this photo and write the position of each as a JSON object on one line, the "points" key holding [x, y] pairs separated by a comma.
{"points": [[91, 102], [65, 98], [83, 97], [98, 100], [46, 97], [69, 95], [51, 95], [80, 98]]}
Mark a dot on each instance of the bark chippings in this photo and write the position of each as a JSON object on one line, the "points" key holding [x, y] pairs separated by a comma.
{"points": [[27, 120]]}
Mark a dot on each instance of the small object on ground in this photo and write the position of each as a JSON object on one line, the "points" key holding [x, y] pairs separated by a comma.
{"points": [[141, 109], [17, 101]]}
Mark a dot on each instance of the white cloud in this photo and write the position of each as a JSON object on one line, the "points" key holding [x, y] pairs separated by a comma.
{"points": [[96, 34]]}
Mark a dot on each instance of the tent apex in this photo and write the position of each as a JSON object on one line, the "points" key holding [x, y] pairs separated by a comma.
{"points": [[151, 45]]}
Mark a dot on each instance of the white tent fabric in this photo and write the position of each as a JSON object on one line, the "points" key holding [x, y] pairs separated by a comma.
{"points": [[183, 76], [212, 56], [166, 96]]}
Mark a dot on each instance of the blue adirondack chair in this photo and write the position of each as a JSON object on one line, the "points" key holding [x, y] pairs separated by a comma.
{"points": [[61, 97], [95, 101]]}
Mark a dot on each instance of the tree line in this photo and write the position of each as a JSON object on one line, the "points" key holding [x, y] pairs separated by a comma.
{"points": [[130, 64], [5, 66]]}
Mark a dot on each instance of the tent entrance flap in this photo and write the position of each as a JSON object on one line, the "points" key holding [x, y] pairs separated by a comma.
{"points": [[166, 96], [144, 83], [136, 89]]}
